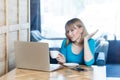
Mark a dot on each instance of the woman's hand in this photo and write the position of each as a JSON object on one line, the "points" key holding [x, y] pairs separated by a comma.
{"points": [[90, 35], [60, 58]]}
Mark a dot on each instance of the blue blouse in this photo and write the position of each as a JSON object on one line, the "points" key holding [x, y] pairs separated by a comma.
{"points": [[77, 58]]}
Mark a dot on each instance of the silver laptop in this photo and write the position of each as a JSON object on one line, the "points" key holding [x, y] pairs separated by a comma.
{"points": [[33, 55]]}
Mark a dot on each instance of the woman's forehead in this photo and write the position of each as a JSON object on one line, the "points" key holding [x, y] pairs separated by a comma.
{"points": [[72, 26]]}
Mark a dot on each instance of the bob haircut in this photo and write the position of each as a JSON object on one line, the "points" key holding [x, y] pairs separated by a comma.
{"points": [[79, 24]]}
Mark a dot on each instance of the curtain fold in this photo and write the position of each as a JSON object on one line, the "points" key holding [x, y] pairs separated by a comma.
{"points": [[35, 15]]}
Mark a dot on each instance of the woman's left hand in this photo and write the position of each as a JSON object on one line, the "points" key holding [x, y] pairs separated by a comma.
{"points": [[60, 58], [90, 35]]}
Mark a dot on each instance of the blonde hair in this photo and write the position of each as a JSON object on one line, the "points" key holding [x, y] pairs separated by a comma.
{"points": [[78, 23]]}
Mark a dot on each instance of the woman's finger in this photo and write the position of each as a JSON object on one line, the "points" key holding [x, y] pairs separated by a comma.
{"points": [[94, 33]]}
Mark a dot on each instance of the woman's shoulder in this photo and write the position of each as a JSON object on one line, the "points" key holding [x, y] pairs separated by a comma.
{"points": [[91, 40], [64, 40]]}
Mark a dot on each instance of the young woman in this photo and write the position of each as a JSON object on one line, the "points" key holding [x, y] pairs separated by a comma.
{"points": [[78, 47]]}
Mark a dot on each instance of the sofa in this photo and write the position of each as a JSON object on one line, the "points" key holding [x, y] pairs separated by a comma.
{"points": [[101, 49]]}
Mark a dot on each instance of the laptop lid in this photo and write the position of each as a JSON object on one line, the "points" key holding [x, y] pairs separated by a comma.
{"points": [[32, 55]]}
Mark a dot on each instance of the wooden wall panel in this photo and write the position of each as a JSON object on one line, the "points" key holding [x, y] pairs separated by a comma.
{"points": [[2, 12], [2, 54], [24, 30], [23, 11], [23, 35], [3, 29], [12, 36], [14, 25], [12, 9]]}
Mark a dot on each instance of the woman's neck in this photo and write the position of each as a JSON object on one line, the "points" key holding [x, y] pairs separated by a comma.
{"points": [[76, 48]]}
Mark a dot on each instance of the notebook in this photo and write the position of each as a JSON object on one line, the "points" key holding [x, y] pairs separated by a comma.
{"points": [[33, 55]]}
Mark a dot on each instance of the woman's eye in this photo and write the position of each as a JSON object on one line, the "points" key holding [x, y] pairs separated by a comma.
{"points": [[72, 30], [67, 31]]}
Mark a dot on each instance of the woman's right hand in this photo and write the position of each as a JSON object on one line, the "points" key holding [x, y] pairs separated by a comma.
{"points": [[60, 58], [90, 35]]}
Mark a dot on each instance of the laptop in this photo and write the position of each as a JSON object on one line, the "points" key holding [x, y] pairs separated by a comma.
{"points": [[33, 55]]}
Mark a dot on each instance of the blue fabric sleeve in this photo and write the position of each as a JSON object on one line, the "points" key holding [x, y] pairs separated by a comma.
{"points": [[63, 48], [92, 48]]}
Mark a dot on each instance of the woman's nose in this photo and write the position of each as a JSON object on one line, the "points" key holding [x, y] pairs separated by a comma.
{"points": [[70, 33]]}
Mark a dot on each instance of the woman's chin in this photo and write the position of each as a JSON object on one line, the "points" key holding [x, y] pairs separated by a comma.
{"points": [[73, 40]]}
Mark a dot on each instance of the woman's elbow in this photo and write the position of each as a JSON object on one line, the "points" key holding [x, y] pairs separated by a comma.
{"points": [[89, 63]]}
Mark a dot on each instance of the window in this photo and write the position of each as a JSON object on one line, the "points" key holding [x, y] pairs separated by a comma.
{"points": [[95, 14]]}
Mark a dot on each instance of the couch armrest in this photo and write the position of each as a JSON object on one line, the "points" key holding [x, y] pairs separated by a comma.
{"points": [[100, 61]]}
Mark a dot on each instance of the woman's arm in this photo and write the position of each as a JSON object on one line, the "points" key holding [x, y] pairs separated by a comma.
{"points": [[62, 55], [89, 49]]}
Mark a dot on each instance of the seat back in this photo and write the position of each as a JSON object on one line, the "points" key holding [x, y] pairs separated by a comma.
{"points": [[101, 47], [36, 36]]}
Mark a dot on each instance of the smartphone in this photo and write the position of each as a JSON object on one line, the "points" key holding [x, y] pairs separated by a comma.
{"points": [[78, 68]]}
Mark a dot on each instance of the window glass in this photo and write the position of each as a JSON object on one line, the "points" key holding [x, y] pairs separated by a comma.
{"points": [[95, 14]]}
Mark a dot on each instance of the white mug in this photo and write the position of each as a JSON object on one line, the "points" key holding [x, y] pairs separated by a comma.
{"points": [[54, 54]]}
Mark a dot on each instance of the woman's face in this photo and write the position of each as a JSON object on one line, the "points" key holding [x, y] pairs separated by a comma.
{"points": [[73, 32]]}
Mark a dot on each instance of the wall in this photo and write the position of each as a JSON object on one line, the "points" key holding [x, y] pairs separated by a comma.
{"points": [[14, 25]]}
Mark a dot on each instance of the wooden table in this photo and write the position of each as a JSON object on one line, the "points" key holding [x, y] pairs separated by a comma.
{"points": [[61, 74]]}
